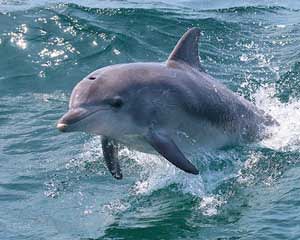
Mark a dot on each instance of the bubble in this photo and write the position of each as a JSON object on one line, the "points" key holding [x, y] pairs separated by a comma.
{"points": [[244, 58], [52, 54], [280, 26], [209, 205], [116, 51]]}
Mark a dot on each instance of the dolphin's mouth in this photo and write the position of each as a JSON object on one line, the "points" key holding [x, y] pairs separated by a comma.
{"points": [[74, 116]]}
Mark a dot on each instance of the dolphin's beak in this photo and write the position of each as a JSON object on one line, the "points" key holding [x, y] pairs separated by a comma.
{"points": [[61, 126], [72, 116]]}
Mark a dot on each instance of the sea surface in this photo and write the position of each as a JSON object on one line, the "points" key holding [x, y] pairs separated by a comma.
{"points": [[55, 186]]}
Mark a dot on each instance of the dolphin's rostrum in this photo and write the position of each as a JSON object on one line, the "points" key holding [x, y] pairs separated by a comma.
{"points": [[171, 108]]}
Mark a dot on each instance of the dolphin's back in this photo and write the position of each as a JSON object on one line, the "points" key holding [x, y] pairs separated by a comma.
{"points": [[202, 97], [212, 101]]}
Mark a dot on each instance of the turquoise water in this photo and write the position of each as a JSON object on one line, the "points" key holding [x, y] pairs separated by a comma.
{"points": [[55, 186]]}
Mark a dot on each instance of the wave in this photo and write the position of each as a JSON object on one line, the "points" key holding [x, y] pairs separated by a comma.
{"points": [[220, 5]]}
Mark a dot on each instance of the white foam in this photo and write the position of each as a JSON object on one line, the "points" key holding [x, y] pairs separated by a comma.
{"points": [[285, 137], [50, 97], [116, 206]]}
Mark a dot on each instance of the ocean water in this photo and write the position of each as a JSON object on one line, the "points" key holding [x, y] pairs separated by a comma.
{"points": [[55, 186]]}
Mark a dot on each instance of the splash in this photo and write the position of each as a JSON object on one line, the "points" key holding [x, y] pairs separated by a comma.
{"points": [[286, 136], [260, 167], [157, 173]]}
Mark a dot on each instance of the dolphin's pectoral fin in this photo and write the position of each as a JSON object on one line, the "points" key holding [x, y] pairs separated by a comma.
{"points": [[186, 49], [167, 148], [110, 153]]}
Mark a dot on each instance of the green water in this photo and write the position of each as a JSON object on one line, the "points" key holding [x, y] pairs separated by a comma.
{"points": [[55, 186]]}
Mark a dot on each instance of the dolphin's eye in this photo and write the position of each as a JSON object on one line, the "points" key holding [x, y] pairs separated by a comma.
{"points": [[117, 102], [92, 78]]}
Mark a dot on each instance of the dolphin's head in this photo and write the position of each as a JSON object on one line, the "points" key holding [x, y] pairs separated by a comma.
{"points": [[140, 99], [98, 105]]}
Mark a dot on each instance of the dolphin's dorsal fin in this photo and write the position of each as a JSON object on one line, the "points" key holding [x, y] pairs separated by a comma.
{"points": [[186, 49]]}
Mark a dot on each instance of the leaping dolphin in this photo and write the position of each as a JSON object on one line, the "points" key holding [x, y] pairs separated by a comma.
{"points": [[171, 108]]}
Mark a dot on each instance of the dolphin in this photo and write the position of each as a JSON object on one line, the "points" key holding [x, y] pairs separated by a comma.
{"points": [[172, 108]]}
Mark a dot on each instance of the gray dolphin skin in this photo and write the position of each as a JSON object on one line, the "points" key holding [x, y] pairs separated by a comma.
{"points": [[172, 108]]}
